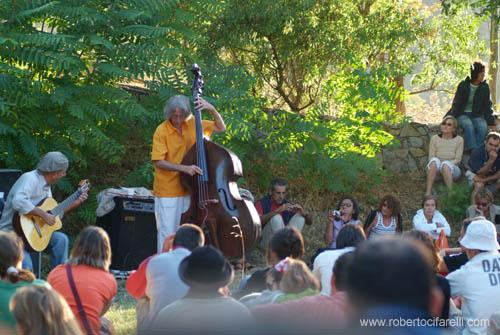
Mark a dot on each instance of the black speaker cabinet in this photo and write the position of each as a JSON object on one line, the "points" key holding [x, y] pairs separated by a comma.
{"points": [[7, 178], [131, 227]]}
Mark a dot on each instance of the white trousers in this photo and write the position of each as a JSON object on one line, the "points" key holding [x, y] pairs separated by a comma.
{"points": [[168, 213], [276, 223]]}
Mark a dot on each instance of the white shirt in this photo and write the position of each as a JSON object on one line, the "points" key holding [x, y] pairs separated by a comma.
{"points": [[420, 223], [323, 267], [478, 283], [27, 192], [164, 286]]}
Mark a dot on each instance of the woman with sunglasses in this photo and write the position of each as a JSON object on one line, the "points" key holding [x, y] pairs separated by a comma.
{"points": [[347, 212], [428, 219], [445, 153], [483, 206], [386, 220]]}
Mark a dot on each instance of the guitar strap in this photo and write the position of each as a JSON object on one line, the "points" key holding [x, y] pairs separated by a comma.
{"points": [[81, 311]]}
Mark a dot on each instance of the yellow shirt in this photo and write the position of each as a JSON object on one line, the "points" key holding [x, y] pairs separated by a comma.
{"points": [[171, 146]]}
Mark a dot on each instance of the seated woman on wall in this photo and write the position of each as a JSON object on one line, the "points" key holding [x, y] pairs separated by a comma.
{"points": [[386, 220], [347, 212], [12, 277], [472, 106], [429, 219], [87, 270], [445, 153]]}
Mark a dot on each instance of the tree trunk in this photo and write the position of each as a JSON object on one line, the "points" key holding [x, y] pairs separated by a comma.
{"points": [[400, 104], [493, 58]]}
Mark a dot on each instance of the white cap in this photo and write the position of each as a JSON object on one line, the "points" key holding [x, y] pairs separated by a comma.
{"points": [[481, 235]]}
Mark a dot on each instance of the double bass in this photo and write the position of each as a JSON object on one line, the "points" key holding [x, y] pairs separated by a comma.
{"points": [[232, 223]]}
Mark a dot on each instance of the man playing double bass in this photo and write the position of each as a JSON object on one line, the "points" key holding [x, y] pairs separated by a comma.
{"points": [[171, 141]]}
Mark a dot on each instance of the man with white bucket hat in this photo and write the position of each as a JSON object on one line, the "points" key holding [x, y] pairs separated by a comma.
{"points": [[478, 281]]}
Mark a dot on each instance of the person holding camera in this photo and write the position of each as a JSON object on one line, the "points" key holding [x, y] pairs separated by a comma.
{"points": [[276, 212], [484, 165], [347, 212]]}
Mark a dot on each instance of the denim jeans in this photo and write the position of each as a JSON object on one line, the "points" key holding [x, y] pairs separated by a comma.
{"points": [[475, 129], [58, 249]]}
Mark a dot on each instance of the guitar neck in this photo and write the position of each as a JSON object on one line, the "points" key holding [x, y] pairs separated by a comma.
{"points": [[59, 209]]}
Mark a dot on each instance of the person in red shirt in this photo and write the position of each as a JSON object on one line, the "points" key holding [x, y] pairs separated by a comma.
{"points": [[276, 212]]}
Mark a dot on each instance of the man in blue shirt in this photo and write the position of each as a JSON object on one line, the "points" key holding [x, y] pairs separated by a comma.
{"points": [[484, 163]]}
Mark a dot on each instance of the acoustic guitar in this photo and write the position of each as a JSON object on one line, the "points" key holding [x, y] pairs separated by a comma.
{"points": [[34, 231]]}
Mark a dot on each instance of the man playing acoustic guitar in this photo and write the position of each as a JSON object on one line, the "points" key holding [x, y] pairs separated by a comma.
{"points": [[28, 191]]}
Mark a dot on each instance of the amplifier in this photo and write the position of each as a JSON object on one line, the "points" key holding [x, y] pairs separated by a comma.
{"points": [[131, 227]]}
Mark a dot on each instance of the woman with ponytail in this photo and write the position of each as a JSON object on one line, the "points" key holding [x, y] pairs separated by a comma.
{"points": [[12, 277]]}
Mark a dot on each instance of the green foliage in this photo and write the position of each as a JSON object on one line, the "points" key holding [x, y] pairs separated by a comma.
{"points": [[454, 203], [306, 87]]}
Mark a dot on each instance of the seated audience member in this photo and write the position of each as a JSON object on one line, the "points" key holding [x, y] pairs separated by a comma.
{"points": [[429, 219], [494, 324], [205, 308], [164, 285], [454, 258], [483, 206], [85, 282], [315, 312], [484, 164], [478, 281], [428, 242], [12, 277], [392, 279], [386, 220], [350, 236], [347, 212], [472, 106], [273, 290], [286, 242], [445, 154], [276, 212], [39, 310], [297, 282]]}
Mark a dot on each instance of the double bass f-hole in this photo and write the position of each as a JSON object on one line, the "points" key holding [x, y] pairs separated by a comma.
{"points": [[227, 200]]}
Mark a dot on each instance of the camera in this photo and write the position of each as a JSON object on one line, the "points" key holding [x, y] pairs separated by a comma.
{"points": [[336, 213]]}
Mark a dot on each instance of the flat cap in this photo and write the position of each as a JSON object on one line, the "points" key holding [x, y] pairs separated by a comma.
{"points": [[53, 161]]}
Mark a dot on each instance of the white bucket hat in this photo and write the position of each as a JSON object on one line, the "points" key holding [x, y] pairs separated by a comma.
{"points": [[481, 235]]}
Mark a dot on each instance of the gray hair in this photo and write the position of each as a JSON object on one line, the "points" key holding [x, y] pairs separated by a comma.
{"points": [[177, 101]]}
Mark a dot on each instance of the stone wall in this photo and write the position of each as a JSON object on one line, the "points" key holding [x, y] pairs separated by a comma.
{"points": [[412, 152]]}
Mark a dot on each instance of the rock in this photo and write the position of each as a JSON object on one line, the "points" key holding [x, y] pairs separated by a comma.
{"points": [[423, 130], [417, 152], [401, 153], [412, 165], [409, 130], [416, 142]]}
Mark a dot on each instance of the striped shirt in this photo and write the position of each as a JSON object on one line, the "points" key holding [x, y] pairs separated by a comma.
{"points": [[380, 230]]}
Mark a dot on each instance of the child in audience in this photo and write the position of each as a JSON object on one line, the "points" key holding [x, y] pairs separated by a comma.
{"points": [[297, 282], [429, 219], [39, 310], [286, 242], [88, 271], [12, 277]]}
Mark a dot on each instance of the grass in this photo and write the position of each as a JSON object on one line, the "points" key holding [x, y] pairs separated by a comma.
{"points": [[122, 312]]}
